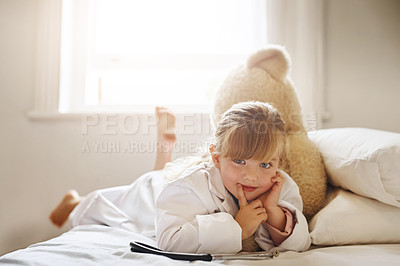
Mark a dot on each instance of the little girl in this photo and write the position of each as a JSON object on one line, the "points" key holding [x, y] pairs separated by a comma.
{"points": [[212, 207], [234, 193]]}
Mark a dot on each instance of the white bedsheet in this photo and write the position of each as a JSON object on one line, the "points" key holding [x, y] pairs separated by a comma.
{"points": [[102, 245]]}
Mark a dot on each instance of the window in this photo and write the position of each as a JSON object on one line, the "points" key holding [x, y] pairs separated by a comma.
{"points": [[297, 25], [130, 55]]}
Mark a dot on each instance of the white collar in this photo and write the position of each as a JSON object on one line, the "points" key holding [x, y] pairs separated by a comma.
{"points": [[217, 187]]}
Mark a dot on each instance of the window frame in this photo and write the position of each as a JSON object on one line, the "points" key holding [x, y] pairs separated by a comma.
{"points": [[47, 71], [46, 84]]}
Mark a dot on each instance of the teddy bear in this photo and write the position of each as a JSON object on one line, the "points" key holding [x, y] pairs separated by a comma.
{"points": [[265, 78]]}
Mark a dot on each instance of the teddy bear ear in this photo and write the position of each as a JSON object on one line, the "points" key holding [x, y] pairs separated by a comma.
{"points": [[274, 60]]}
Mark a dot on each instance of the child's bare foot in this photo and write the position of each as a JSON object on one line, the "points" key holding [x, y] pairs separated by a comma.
{"points": [[60, 214], [166, 136], [166, 131]]}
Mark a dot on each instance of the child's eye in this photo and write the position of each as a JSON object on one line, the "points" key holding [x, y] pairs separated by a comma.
{"points": [[238, 161], [265, 165]]}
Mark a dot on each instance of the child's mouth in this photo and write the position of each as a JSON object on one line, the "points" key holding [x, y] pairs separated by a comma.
{"points": [[248, 188]]}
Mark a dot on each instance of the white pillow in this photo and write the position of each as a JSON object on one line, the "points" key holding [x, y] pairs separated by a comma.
{"points": [[353, 219], [364, 161]]}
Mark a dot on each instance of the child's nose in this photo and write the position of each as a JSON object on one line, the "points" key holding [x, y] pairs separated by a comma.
{"points": [[250, 175]]}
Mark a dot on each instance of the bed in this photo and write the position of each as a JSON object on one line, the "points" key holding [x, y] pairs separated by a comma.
{"points": [[359, 224], [102, 245]]}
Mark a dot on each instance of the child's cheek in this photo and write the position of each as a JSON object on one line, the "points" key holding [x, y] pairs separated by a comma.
{"points": [[267, 186]]}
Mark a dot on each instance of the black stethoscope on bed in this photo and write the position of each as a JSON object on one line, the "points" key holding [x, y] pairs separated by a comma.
{"points": [[144, 248]]}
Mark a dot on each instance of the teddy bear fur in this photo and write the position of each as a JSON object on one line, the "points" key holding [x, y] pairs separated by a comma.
{"points": [[265, 78]]}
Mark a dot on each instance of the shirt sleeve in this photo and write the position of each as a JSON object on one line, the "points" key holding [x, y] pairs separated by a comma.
{"points": [[299, 238], [295, 237], [185, 224], [278, 235]]}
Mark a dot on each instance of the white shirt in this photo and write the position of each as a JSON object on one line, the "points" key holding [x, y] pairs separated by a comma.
{"points": [[195, 213]]}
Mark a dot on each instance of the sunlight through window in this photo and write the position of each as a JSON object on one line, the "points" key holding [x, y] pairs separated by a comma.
{"points": [[127, 55]]}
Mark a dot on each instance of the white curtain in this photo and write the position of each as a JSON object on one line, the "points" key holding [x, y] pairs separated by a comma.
{"points": [[297, 25]]}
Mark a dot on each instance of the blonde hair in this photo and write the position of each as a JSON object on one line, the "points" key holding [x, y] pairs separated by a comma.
{"points": [[250, 130], [247, 130]]}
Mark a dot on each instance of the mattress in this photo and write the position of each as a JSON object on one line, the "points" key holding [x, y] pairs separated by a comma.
{"points": [[103, 245]]}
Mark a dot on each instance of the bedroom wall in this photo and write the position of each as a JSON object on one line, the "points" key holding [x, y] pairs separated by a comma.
{"points": [[40, 160], [362, 61]]}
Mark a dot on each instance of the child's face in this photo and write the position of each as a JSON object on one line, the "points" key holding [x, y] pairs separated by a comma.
{"points": [[254, 176]]}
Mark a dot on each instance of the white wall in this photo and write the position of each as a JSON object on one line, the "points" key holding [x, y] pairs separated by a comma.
{"points": [[40, 160], [363, 63]]}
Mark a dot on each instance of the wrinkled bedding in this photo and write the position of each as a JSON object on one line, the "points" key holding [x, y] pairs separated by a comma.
{"points": [[103, 245]]}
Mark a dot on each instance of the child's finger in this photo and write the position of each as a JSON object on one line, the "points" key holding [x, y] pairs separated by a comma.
{"points": [[256, 204], [275, 177], [279, 175], [280, 179], [261, 211], [263, 217], [241, 198]]}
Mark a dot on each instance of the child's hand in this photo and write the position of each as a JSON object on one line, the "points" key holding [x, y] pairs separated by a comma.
{"points": [[270, 198], [250, 216]]}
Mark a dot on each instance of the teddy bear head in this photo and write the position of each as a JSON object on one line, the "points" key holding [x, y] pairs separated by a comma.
{"points": [[263, 78]]}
